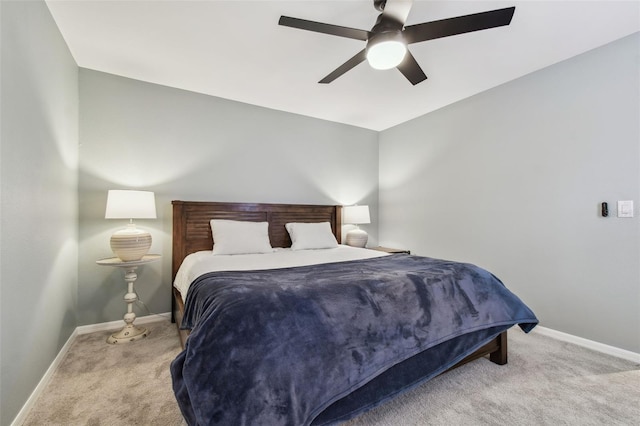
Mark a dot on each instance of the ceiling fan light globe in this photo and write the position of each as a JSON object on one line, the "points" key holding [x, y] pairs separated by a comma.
{"points": [[386, 54]]}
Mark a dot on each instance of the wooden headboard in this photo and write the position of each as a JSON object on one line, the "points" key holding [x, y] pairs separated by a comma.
{"points": [[192, 230]]}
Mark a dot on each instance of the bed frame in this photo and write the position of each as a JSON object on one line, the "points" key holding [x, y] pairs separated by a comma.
{"points": [[192, 232]]}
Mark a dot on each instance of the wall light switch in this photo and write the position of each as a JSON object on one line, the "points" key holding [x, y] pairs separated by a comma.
{"points": [[625, 208]]}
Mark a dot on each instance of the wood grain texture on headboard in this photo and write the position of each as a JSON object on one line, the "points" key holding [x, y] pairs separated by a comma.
{"points": [[192, 230]]}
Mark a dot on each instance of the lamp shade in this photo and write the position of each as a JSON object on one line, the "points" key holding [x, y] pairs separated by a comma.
{"points": [[356, 215], [128, 204]]}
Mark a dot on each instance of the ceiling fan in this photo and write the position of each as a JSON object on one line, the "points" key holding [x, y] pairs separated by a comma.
{"points": [[388, 39]]}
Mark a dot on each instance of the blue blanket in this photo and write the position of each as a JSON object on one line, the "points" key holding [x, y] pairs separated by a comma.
{"points": [[319, 344]]}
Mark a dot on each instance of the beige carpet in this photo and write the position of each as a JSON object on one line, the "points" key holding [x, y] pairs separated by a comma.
{"points": [[546, 382], [102, 384]]}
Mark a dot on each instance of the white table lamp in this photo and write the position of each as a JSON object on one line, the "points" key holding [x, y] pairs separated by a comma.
{"points": [[131, 243], [357, 215]]}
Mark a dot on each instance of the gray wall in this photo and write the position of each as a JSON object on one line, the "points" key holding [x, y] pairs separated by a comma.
{"points": [[38, 199], [188, 146], [512, 179]]}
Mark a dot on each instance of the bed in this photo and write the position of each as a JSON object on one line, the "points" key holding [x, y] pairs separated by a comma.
{"points": [[319, 344]]}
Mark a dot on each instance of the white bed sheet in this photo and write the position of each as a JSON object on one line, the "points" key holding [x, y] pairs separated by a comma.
{"points": [[202, 262]]}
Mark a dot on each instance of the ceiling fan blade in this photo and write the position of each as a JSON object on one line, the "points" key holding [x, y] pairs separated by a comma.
{"points": [[357, 59], [410, 68], [320, 27], [458, 25], [397, 10]]}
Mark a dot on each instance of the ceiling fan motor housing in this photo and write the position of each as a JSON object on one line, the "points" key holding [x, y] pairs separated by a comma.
{"points": [[386, 46], [386, 23], [379, 4]]}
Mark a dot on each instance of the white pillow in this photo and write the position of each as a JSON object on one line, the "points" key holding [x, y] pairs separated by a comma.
{"points": [[240, 237], [311, 236]]}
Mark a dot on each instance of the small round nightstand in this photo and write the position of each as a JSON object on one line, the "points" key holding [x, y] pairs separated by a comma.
{"points": [[130, 332]]}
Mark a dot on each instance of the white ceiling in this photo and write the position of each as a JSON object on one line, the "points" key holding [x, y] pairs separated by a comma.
{"points": [[236, 50]]}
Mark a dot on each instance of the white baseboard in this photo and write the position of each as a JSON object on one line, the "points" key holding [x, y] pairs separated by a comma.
{"points": [[590, 344], [115, 325], [26, 408], [83, 329]]}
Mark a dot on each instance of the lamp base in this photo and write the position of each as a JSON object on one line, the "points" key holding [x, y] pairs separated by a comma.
{"points": [[357, 238], [130, 243], [128, 334]]}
